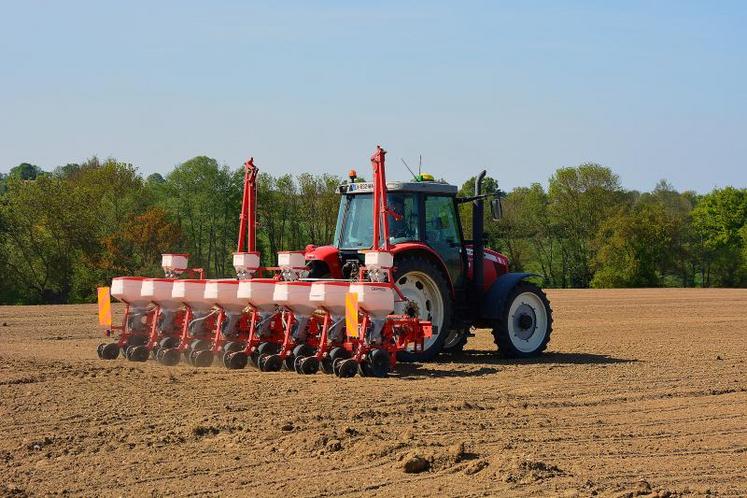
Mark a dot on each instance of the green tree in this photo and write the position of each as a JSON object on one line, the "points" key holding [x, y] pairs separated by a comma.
{"points": [[26, 171], [155, 178], [514, 231], [8, 292], [718, 223], [278, 213], [47, 227], [580, 199], [67, 171], [137, 246], [295, 211], [489, 186], [527, 225], [318, 201], [676, 260], [633, 247], [205, 200], [56, 228]]}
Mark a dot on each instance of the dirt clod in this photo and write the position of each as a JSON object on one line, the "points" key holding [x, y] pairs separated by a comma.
{"points": [[204, 430], [334, 445], [350, 431], [525, 470], [12, 490], [415, 464], [475, 467], [643, 488], [38, 444]]}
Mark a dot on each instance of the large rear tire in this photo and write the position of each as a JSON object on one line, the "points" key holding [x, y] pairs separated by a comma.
{"points": [[524, 328], [423, 282]]}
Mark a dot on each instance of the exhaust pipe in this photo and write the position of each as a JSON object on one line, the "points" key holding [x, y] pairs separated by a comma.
{"points": [[478, 246]]}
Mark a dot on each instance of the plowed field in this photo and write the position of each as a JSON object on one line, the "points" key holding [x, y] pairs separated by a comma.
{"points": [[640, 392]]}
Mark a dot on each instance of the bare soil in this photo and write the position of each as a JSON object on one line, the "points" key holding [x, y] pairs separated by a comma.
{"points": [[641, 392]]}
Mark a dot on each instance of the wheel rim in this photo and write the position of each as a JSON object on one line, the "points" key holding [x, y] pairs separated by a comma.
{"points": [[422, 289], [527, 322]]}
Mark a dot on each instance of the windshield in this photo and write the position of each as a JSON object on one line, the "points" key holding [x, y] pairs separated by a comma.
{"points": [[355, 220]]}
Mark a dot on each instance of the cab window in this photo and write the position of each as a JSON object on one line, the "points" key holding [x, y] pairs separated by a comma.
{"points": [[440, 220], [406, 228], [355, 220]]}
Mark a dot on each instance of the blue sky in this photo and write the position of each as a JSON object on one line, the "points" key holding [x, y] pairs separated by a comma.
{"points": [[651, 89]]}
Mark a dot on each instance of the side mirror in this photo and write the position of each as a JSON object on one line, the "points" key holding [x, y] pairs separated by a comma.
{"points": [[496, 208]]}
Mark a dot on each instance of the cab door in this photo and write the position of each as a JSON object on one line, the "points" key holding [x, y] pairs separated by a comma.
{"points": [[442, 234]]}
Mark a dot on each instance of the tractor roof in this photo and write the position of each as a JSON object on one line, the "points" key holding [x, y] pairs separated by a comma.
{"points": [[428, 187]]}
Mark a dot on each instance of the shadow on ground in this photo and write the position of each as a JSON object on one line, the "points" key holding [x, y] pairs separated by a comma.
{"points": [[490, 360], [492, 357], [413, 370]]}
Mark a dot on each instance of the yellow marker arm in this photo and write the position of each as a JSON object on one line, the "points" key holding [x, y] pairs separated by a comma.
{"points": [[105, 307], [351, 314]]}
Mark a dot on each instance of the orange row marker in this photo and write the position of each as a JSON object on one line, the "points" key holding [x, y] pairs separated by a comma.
{"points": [[351, 314], [105, 307]]}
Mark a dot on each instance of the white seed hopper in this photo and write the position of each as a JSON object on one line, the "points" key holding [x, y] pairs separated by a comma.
{"points": [[258, 293], [128, 289], [159, 291], [294, 295], [375, 298], [223, 293], [330, 295], [192, 293], [246, 263]]}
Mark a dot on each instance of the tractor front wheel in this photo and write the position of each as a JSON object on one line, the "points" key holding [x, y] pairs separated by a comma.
{"points": [[524, 329]]}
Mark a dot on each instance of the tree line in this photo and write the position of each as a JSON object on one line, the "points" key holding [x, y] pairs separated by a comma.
{"points": [[586, 230], [65, 231]]}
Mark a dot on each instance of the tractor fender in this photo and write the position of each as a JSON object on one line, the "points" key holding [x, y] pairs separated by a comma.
{"points": [[494, 300]]}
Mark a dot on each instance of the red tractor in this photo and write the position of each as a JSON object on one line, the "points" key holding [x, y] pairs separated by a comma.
{"points": [[455, 284]]}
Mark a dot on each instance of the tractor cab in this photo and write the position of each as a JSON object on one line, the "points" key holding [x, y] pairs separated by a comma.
{"points": [[425, 213]]}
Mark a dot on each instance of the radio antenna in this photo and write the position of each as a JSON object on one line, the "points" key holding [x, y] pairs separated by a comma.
{"points": [[408, 169]]}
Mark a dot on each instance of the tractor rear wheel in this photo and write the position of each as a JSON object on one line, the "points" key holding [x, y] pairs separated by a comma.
{"points": [[425, 285], [524, 329]]}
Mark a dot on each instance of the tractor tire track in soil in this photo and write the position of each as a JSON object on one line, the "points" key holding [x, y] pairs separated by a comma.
{"points": [[641, 393]]}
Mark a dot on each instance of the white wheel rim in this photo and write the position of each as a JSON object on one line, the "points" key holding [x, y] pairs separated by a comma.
{"points": [[527, 322], [421, 289]]}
